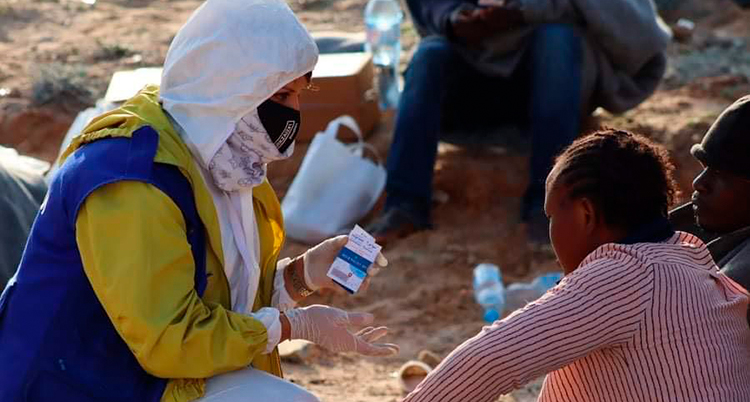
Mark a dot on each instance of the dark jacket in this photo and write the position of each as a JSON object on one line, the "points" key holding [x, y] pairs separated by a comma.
{"points": [[624, 52], [431, 16], [21, 193], [731, 251]]}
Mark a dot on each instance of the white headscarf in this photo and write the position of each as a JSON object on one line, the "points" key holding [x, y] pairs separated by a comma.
{"points": [[228, 58]]}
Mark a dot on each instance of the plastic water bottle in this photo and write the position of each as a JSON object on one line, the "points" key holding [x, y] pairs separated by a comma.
{"points": [[547, 281], [383, 24], [489, 290], [519, 294]]}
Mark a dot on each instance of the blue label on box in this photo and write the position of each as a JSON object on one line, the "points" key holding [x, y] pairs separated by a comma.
{"points": [[356, 260], [358, 272], [349, 269]]}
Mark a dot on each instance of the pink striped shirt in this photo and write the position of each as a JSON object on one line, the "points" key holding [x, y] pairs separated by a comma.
{"points": [[643, 322]]}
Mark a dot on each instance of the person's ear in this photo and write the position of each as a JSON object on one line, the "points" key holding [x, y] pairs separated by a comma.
{"points": [[589, 215]]}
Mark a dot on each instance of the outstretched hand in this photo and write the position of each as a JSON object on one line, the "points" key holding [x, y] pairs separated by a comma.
{"points": [[329, 328]]}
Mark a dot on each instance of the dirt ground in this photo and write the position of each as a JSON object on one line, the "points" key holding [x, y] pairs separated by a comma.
{"points": [[57, 56]]}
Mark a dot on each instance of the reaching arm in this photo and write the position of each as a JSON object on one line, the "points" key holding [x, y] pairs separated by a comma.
{"points": [[597, 306], [285, 296], [132, 241]]}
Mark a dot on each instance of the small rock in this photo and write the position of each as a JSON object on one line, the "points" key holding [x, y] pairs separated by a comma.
{"points": [[135, 59], [412, 373], [429, 357], [683, 30]]}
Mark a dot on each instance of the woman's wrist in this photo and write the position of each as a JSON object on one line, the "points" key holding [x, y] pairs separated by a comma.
{"points": [[294, 280], [286, 327]]}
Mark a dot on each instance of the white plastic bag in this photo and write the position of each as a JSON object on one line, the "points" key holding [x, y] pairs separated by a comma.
{"points": [[334, 188]]}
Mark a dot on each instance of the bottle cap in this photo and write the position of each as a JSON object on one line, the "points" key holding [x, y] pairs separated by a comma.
{"points": [[491, 315], [548, 281]]}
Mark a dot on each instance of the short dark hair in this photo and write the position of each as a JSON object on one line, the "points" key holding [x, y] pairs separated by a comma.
{"points": [[626, 176]]}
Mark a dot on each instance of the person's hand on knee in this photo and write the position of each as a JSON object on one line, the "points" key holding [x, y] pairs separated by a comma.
{"points": [[466, 25], [329, 327], [503, 18]]}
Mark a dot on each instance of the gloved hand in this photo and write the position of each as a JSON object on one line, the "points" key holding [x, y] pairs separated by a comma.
{"points": [[327, 327], [318, 261]]}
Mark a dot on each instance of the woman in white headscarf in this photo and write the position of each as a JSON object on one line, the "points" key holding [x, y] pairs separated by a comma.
{"points": [[159, 239]]}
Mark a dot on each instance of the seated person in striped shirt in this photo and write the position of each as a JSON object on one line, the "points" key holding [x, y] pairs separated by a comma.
{"points": [[720, 210], [643, 314]]}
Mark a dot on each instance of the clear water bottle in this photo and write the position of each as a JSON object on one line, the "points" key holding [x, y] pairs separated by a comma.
{"points": [[489, 290], [519, 294], [383, 24]]}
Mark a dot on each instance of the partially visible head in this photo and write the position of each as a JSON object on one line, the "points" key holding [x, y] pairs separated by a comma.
{"points": [[602, 187], [229, 58], [289, 94], [280, 118], [721, 199]]}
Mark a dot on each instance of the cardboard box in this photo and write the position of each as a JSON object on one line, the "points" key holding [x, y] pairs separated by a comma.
{"points": [[344, 81], [345, 86], [125, 84]]}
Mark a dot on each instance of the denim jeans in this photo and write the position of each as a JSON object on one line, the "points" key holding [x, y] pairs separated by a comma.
{"points": [[543, 96]]}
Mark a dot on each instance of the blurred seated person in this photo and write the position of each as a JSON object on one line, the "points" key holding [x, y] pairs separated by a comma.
{"points": [[22, 190], [538, 64], [720, 209]]}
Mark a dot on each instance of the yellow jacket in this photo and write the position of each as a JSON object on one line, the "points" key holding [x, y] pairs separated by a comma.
{"points": [[133, 245]]}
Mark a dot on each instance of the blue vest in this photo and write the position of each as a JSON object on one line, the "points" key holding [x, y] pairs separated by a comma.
{"points": [[56, 341]]}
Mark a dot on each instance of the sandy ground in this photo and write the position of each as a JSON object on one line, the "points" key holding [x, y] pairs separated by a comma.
{"points": [[56, 57]]}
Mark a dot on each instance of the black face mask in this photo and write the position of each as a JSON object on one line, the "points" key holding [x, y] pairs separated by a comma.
{"points": [[281, 123]]}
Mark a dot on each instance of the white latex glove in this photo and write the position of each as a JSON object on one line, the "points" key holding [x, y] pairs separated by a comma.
{"points": [[327, 327], [318, 261]]}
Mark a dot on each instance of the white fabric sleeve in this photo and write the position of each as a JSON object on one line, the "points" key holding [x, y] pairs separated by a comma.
{"points": [[281, 298], [269, 317]]}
